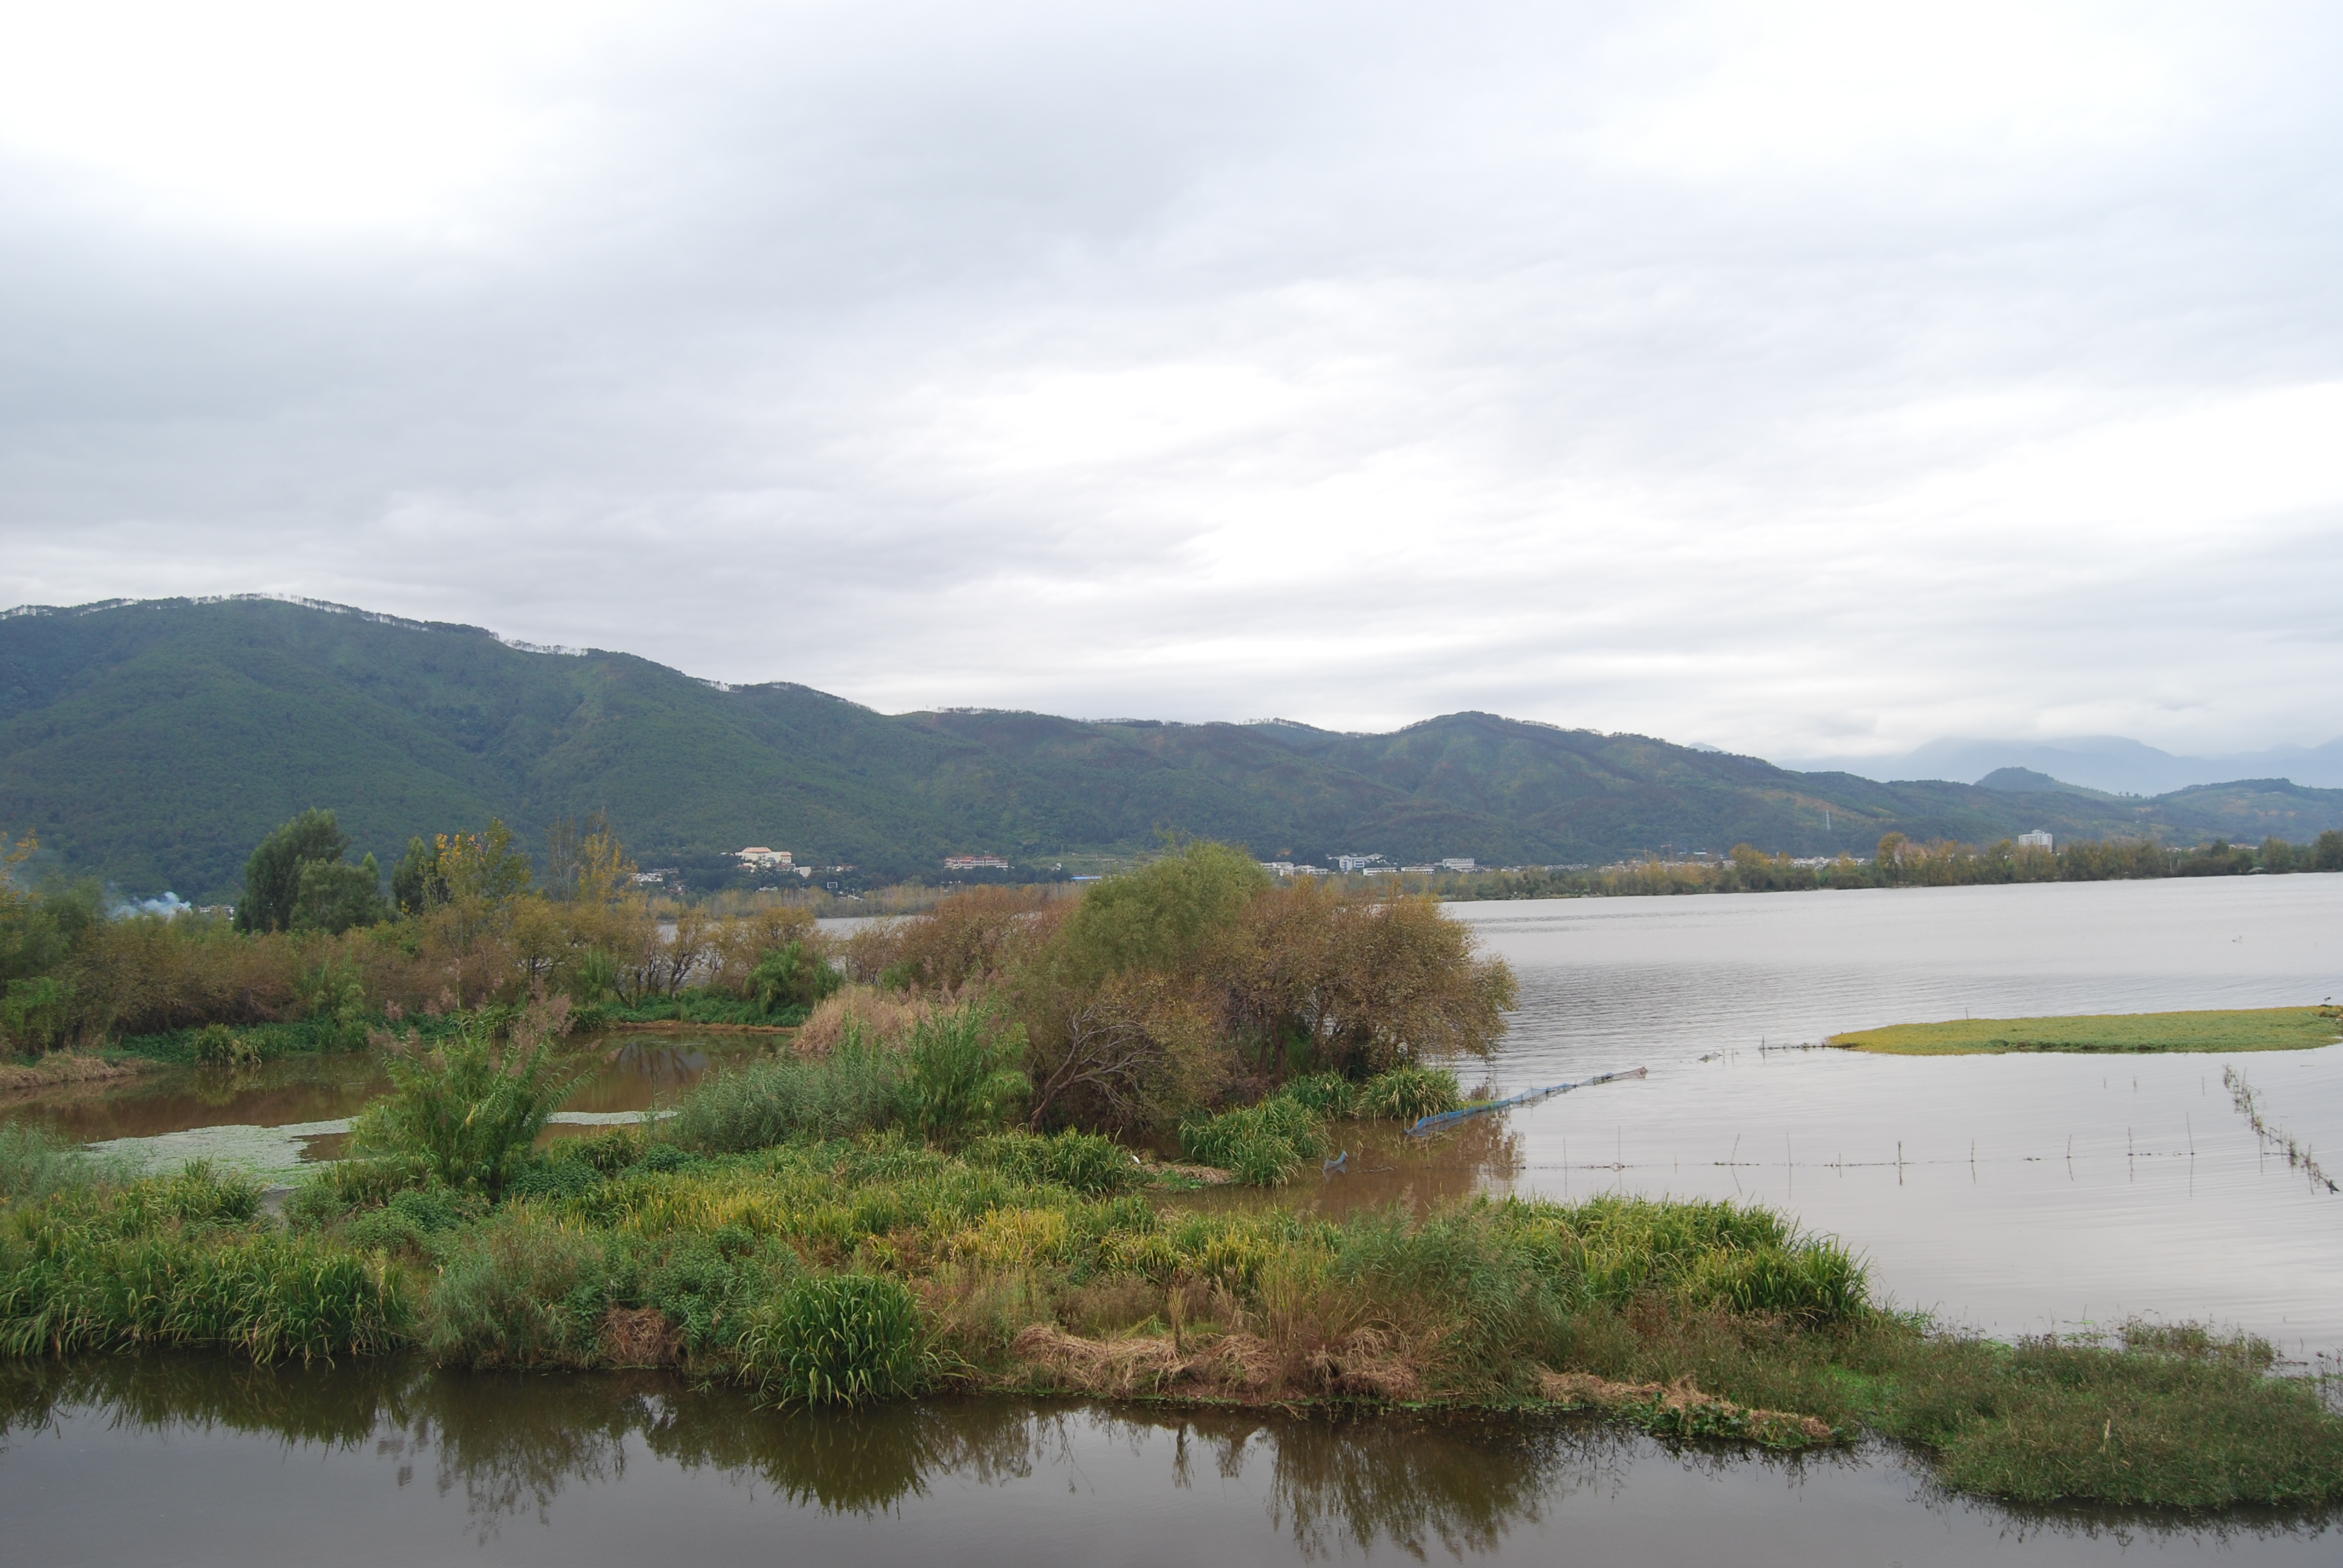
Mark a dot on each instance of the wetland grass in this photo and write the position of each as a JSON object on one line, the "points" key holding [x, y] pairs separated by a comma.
{"points": [[846, 1268], [2253, 1028]]}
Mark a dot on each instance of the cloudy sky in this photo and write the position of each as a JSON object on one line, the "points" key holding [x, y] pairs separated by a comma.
{"points": [[1797, 378]]}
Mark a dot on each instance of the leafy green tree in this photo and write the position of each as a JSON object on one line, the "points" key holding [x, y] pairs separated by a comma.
{"points": [[335, 896], [272, 876], [793, 976], [415, 884], [2327, 854], [482, 866], [1164, 916]]}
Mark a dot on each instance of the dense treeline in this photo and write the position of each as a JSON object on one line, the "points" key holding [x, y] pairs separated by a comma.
{"points": [[1195, 981], [319, 953], [1904, 862]]}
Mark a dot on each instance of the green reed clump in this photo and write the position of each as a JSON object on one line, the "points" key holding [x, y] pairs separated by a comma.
{"points": [[522, 1290], [467, 1110], [838, 1339], [1408, 1092], [856, 1087], [415, 1223], [177, 1260], [961, 1075], [1329, 1094], [35, 1162], [1085, 1162], [1263, 1145]]}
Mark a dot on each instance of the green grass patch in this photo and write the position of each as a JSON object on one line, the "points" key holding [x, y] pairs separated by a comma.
{"points": [[2251, 1029]]}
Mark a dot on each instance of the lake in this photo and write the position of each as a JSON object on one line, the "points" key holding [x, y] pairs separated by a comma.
{"points": [[2018, 1192]]}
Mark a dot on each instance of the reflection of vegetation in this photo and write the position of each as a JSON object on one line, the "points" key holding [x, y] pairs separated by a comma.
{"points": [[512, 1446], [2254, 1029]]}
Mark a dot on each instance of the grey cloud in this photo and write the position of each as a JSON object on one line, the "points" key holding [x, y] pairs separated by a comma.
{"points": [[1340, 363]]}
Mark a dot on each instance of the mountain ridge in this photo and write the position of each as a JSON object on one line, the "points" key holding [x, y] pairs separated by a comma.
{"points": [[153, 742]]}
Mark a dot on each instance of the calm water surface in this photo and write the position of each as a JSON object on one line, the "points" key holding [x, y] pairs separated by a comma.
{"points": [[184, 1460], [2016, 1192]]}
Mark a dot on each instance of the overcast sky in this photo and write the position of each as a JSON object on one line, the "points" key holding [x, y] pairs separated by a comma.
{"points": [[1795, 378]]}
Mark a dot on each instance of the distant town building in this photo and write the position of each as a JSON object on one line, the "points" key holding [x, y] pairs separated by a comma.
{"points": [[1461, 863], [1420, 871], [650, 878], [975, 863], [1350, 863], [2037, 840], [757, 857]]}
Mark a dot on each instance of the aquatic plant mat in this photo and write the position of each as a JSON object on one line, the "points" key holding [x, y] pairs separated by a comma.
{"points": [[864, 1268], [2252, 1029]]}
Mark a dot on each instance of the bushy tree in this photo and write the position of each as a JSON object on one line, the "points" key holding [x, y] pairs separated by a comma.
{"points": [[272, 876], [335, 896]]}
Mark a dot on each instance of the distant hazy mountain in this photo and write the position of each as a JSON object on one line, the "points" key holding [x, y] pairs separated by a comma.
{"points": [[2109, 762], [153, 743]]}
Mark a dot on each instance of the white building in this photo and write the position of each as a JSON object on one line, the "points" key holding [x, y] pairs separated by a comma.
{"points": [[2037, 840], [975, 863], [757, 857], [1462, 864], [1349, 863]]}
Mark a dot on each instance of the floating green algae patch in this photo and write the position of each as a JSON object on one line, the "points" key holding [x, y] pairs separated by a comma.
{"points": [[2249, 1029]]}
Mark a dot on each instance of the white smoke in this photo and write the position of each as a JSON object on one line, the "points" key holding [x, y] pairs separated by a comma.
{"points": [[169, 906]]}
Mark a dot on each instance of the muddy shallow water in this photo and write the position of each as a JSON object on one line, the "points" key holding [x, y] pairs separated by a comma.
{"points": [[197, 1461]]}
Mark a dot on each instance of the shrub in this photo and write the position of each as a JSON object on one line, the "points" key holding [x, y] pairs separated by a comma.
{"points": [[217, 1045], [35, 1014], [520, 1290], [961, 1077], [466, 1110], [793, 976], [838, 1339]]}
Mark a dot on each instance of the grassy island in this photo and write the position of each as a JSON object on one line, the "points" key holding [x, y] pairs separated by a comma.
{"points": [[2250, 1028]]}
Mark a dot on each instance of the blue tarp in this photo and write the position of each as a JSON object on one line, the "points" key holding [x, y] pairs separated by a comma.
{"points": [[1427, 1125]]}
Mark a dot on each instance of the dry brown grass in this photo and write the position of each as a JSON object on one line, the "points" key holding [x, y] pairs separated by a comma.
{"points": [[64, 1067], [1584, 1391], [638, 1337], [882, 1015]]}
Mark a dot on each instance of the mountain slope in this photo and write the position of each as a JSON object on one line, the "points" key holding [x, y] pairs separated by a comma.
{"points": [[154, 742]]}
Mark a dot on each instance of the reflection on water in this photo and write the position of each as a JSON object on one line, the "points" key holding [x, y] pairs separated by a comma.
{"points": [[1381, 1165], [616, 1073], [131, 1459]]}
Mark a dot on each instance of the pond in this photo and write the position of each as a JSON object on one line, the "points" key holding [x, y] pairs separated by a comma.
{"points": [[192, 1460], [275, 1117]]}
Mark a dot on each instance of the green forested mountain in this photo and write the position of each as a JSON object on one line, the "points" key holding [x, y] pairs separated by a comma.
{"points": [[154, 742]]}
